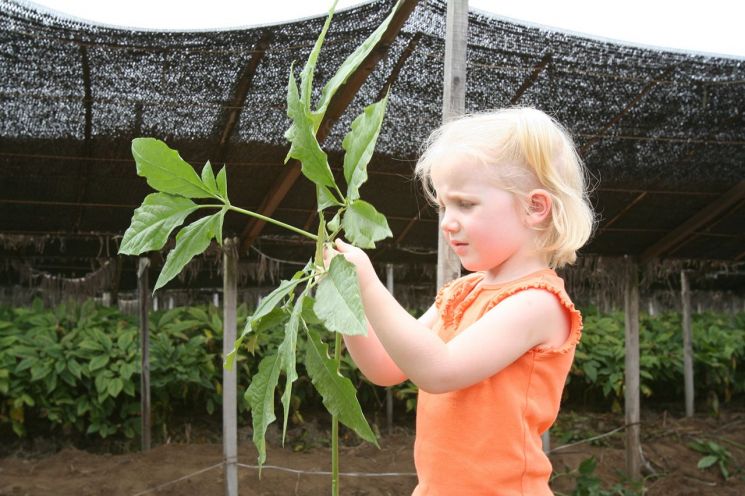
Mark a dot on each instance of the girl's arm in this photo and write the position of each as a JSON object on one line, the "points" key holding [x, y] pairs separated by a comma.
{"points": [[519, 323], [372, 358]]}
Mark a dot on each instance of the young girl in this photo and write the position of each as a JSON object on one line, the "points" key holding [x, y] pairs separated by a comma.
{"points": [[491, 356]]}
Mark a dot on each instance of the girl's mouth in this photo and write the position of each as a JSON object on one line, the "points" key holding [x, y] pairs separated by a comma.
{"points": [[458, 246]]}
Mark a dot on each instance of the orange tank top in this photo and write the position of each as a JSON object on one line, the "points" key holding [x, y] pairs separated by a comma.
{"points": [[486, 439]]}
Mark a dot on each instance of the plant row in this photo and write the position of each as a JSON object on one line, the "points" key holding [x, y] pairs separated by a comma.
{"points": [[75, 369]]}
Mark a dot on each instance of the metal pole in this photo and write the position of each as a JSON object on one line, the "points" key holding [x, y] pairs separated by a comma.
{"points": [[229, 377], [453, 106], [143, 290]]}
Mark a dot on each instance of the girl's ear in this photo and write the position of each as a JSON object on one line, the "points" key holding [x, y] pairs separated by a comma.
{"points": [[539, 206]]}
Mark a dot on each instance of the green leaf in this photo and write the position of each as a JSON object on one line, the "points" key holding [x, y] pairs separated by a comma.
{"points": [[208, 179], [267, 304], [363, 225], [322, 236], [153, 221], [26, 363], [303, 143], [338, 392], [707, 461], [115, 387], [338, 301], [222, 183], [325, 198], [40, 371], [306, 76], [287, 354], [165, 170], [270, 301], [124, 340], [333, 224], [98, 362], [350, 65], [590, 371], [260, 398], [309, 316], [359, 145], [190, 241]]}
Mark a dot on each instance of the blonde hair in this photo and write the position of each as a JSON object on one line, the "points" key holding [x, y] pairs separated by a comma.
{"points": [[523, 149]]}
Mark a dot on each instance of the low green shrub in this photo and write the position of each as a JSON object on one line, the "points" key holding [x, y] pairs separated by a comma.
{"points": [[75, 369], [718, 346]]}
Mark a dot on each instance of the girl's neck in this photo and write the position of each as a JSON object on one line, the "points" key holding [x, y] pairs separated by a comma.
{"points": [[514, 268]]}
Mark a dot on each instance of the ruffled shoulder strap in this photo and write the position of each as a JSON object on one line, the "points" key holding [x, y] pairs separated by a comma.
{"points": [[551, 282], [451, 298]]}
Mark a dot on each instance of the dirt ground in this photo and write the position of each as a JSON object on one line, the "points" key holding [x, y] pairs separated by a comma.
{"points": [[195, 468]]}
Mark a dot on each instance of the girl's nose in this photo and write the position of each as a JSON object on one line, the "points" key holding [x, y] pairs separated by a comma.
{"points": [[448, 224]]}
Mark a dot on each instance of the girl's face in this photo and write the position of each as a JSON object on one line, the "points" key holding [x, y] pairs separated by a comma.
{"points": [[482, 222]]}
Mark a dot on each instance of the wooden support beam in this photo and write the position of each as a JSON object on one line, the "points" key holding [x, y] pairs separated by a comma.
{"points": [[703, 218], [647, 88], [631, 394], [229, 377], [143, 291], [685, 296], [623, 212], [337, 105], [408, 227], [116, 280], [84, 169], [453, 106], [239, 98], [539, 67], [405, 54]]}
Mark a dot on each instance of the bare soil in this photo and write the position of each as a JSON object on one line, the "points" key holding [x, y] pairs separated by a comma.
{"points": [[195, 468]]}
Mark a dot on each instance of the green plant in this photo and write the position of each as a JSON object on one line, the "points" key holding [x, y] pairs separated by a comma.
{"points": [[718, 345], [714, 453], [337, 306], [70, 366], [587, 483]]}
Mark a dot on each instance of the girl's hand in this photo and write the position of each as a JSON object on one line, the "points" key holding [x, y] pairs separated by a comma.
{"points": [[365, 271]]}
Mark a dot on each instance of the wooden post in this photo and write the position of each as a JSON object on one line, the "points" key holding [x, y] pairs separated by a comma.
{"points": [[685, 294], [229, 377], [143, 291], [116, 280], [546, 441], [631, 303], [388, 391], [453, 106]]}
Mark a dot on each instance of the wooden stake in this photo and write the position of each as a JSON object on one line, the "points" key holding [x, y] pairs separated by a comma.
{"points": [[229, 377], [631, 300], [453, 106], [143, 291], [685, 294]]}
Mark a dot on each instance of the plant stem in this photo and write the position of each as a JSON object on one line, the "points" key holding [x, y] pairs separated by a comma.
{"points": [[335, 428], [272, 221]]}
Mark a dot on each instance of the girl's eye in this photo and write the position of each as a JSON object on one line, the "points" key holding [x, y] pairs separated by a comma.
{"points": [[465, 205]]}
